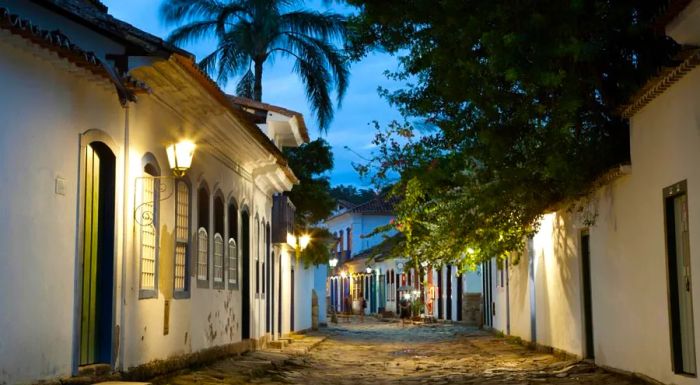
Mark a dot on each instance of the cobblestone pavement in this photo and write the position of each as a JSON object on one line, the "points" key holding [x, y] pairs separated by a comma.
{"points": [[385, 353]]}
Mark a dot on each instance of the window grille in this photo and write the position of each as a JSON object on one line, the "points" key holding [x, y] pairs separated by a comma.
{"points": [[182, 235], [202, 254], [148, 236], [218, 258], [232, 262]]}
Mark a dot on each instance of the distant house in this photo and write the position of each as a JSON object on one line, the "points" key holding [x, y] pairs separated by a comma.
{"points": [[108, 258], [614, 282], [366, 270]]}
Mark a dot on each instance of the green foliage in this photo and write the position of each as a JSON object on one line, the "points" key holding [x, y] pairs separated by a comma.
{"points": [[311, 196], [251, 32], [352, 194], [318, 252], [523, 96]]}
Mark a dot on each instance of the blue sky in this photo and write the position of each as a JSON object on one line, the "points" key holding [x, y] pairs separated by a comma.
{"points": [[350, 127]]}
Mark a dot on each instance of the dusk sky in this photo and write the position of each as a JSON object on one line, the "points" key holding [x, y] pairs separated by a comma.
{"points": [[281, 87]]}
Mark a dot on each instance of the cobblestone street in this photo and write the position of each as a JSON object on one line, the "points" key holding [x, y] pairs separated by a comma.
{"points": [[385, 353]]}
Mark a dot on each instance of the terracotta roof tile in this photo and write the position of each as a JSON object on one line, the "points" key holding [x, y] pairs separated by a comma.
{"points": [[57, 42], [668, 76]]}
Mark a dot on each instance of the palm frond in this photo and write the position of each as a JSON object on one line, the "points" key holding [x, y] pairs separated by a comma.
{"points": [[179, 11], [334, 63], [310, 65], [325, 25], [191, 32]]}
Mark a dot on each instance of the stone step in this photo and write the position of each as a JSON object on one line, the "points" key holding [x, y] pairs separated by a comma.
{"points": [[279, 344], [122, 383]]}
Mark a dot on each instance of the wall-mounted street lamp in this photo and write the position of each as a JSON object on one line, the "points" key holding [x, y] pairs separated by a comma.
{"points": [[180, 156], [424, 264], [368, 270], [333, 262], [298, 243]]}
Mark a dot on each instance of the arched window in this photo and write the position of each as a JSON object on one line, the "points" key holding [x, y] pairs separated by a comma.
{"points": [[182, 239], [202, 237], [150, 188], [232, 251], [218, 255], [257, 255]]}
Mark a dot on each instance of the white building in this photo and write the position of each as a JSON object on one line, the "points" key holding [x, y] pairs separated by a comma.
{"points": [[364, 271], [107, 259], [619, 291]]}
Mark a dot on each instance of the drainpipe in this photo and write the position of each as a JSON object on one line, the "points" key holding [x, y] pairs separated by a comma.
{"points": [[125, 221]]}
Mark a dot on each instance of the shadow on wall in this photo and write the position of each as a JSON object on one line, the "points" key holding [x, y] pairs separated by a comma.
{"points": [[564, 288]]}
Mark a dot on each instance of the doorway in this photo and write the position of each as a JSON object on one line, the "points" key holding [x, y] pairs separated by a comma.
{"points": [[245, 274], [587, 301], [97, 269], [291, 293], [679, 279]]}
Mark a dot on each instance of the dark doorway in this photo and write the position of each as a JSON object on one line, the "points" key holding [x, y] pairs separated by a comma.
{"points": [[460, 288], [291, 292], [279, 299], [97, 295], [397, 294], [439, 293], [448, 295], [679, 279], [587, 302], [245, 274], [267, 270], [488, 290], [531, 283]]}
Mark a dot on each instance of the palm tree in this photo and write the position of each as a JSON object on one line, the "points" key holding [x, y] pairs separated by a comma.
{"points": [[250, 32]]}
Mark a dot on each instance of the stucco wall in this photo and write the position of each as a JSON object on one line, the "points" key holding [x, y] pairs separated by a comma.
{"points": [[45, 109], [628, 254]]}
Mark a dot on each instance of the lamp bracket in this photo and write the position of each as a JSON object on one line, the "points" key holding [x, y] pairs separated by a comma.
{"points": [[144, 213]]}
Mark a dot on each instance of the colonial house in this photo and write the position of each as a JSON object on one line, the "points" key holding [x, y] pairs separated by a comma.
{"points": [[366, 271], [137, 199], [613, 282]]}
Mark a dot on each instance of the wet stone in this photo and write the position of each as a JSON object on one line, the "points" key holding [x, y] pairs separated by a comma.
{"points": [[380, 352]]}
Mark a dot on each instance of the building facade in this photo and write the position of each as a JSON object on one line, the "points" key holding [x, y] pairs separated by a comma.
{"points": [[614, 281], [365, 272], [111, 260]]}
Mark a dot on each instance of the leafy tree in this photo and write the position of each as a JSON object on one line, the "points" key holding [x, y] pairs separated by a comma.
{"points": [[252, 32], [311, 197], [352, 194], [524, 97]]}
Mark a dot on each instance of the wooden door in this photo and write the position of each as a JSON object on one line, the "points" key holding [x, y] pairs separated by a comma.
{"points": [[97, 256], [680, 282]]}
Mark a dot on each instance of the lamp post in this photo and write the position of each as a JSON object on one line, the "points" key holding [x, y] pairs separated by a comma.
{"points": [[424, 264], [333, 262]]}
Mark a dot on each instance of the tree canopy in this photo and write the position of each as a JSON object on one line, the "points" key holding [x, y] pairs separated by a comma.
{"points": [[352, 194], [523, 99], [251, 32], [311, 197]]}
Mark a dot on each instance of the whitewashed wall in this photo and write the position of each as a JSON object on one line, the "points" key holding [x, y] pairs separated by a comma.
{"points": [[628, 254], [44, 111]]}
